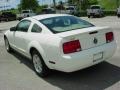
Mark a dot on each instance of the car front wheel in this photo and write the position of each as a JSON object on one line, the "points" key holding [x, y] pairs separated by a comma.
{"points": [[88, 16], [7, 45], [40, 68]]}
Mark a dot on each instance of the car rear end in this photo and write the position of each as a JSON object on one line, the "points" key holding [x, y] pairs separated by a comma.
{"points": [[79, 44], [95, 11], [85, 48]]}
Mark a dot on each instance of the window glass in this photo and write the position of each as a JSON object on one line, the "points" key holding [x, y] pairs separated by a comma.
{"points": [[36, 28], [23, 26], [65, 23], [95, 7]]}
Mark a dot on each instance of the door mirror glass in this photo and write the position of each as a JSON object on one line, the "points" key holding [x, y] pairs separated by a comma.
{"points": [[13, 29]]}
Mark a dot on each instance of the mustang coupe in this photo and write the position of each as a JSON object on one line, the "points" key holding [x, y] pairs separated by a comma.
{"points": [[60, 42]]}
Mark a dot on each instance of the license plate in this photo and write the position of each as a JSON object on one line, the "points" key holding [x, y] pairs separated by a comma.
{"points": [[97, 57]]}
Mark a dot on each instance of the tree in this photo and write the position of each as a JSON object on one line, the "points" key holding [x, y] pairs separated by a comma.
{"points": [[117, 3], [83, 4], [93, 2], [29, 4], [54, 2], [60, 6]]}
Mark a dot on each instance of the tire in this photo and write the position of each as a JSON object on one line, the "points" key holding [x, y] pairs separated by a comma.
{"points": [[88, 16], [7, 45], [99, 16], [7, 20], [39, 66], [118, 16]]}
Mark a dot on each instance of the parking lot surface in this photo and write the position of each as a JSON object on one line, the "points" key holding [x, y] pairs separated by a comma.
{"points": [[16, 72]]}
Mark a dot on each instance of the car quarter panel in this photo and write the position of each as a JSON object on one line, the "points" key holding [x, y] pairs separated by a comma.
{"points": [[47, 45]]}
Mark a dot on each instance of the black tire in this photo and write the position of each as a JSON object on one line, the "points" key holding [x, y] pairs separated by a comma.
{"points": [[7, 45], [99, 16], [88, 16], [118, 16], [43, 69], [7, 20]]}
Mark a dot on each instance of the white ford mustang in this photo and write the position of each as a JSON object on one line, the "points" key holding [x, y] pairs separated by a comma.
{"points": [[61, 42]]}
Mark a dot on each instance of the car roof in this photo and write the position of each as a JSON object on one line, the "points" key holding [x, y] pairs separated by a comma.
{"points": [[44, 16]]}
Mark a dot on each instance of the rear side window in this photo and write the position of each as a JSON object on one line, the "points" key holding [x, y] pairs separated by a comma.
{"points": [[36, 28]]}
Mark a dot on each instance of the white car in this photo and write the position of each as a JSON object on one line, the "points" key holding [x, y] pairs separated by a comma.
{"points": [[60, 42], [25, 13], [95, 10]]}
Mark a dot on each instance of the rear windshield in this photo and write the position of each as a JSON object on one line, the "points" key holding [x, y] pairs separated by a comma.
{"points": [[95, 7], [25, 11], [70, 8], [65, 23]]}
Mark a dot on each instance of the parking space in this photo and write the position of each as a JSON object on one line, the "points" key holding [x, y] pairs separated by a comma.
{"points": [[16, 72]]}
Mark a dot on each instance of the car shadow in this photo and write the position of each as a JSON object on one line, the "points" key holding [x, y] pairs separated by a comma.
{"points": [[23, 60], [98, 77]]}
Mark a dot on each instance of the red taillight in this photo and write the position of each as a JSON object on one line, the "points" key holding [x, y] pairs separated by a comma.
{"points": [[72, 46], [109, 37]]}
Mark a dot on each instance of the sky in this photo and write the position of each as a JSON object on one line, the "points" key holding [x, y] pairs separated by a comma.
{"points": [[14, 3]]}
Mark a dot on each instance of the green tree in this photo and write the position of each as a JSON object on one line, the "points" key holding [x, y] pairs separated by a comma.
{"points": [[93, 2], [29, 4], [117, 3], [54, 2], [83, 4]]}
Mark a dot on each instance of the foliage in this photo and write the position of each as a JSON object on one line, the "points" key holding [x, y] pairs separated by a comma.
{"points": [[28, 4], [60, 6], [109, 4], [39, 8], [83, 4], [93, 2]]}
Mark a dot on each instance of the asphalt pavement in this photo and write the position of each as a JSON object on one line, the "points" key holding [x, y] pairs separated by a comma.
{"points": [[16, 72]]}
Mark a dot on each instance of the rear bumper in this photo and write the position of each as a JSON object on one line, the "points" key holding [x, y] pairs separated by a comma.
{"points": [[84, 59]]}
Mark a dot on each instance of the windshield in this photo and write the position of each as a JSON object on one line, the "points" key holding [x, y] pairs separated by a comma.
{"points": [[95, 7], [25, 11], [65, 23], [70, 8]]}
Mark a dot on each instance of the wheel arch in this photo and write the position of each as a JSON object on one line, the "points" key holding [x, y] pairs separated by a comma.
{"points": [[36, 46]]}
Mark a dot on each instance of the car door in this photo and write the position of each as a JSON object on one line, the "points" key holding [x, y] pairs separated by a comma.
{"points": [[20, 35]]}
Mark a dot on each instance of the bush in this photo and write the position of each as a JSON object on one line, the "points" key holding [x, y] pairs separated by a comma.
{"points": [[81, 14], [106, 13], [110, 13]]}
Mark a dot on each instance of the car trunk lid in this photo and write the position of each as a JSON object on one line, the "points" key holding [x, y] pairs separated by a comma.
{"points": [[88, 37]]}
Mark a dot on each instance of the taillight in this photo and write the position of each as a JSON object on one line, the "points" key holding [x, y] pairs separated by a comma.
{"points": [[71, 47], [109, 37]]}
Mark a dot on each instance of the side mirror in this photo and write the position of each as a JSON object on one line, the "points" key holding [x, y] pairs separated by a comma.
{"points": [[13, 29]]}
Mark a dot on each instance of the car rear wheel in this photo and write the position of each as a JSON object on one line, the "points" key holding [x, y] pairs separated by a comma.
{"points": [[7, 45], [40, 68]]}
